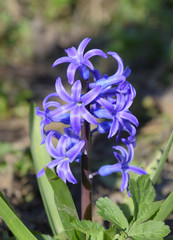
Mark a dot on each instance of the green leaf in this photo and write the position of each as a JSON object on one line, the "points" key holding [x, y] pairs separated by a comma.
{"points": [[151, 230], [40, 159], [87, 226], [165, 209], [13, 222], [43, 236], [61, 236], [143, 195], [64, 203], [110, 233], [93, 230], [163, 159], [6, 201], [109, 211]]}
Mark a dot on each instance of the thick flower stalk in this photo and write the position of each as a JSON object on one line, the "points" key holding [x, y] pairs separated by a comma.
{"points": [[103, 101]]}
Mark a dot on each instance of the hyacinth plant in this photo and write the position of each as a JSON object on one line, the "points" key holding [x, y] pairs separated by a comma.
{"points": [[103, 102]]}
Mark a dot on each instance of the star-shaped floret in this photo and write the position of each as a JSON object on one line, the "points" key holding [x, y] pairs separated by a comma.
{"points": [[79, 60], [63, 156], [76, 104], [124, 158]]}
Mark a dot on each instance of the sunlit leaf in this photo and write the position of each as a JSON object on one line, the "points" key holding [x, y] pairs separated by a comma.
{"points": [[40, 159], [19, 230]]}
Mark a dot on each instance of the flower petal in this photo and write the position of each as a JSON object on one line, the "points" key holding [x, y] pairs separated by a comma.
{"points": [[82, 47], [71, 52], [106, 104], [50, 165], [39, 112], [76, 91], [62, 60], [110, 81], [84, 72], [95, 52], [125, 181], [73, 152], [61, 110], [104, 127], [87, 115], [88, 64], [52, 104], [75, 120], [102, 113], [62, 93], [114, 128], [64, 172], [64, 118], [120, 69], [49, 96], [49, 145], [137, 170], [61, 146], [71, 70], [109, 169], [129, 116], [91, 95], [123, 152], [127, 71]]}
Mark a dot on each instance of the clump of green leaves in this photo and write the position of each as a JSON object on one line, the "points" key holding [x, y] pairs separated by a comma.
{"points": [[146, 222]]}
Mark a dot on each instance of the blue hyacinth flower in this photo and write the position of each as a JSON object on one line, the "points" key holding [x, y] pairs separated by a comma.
{"points": [[63, 156], [76, 104], [124, 158], [79, 60]]}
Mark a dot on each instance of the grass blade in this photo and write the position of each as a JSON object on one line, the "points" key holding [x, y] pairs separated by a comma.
{"points": [[166, 209], [163, 159], [19, 230]]}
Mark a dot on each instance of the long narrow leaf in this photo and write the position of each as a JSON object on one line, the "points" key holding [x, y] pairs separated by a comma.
{"points": [[19, 230], [41, 158], [162, 160], [65, 205], [165, 209]]}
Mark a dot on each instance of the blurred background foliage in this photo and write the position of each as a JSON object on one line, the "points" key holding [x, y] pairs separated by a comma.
{"points": [[34, 33]]}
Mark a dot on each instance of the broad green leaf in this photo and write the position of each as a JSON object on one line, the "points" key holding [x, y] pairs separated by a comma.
{"points": [[87, 226], [93, 230], [165, 209], [143, 194], [147, 211], [13, 222], [110, 233], [109, 211], [155, 175], [64, 203], [40, 159], [151, 230]]}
